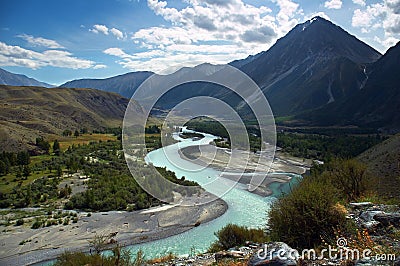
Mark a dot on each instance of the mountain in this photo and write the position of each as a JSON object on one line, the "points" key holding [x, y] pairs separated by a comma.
{"points": [[28, 112], [8, 78], [124, 85], [376, 104], [316, 63]]}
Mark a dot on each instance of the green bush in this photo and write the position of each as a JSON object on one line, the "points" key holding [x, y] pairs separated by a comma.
{"points": [[233, 235], [19, 222], [303, 216], [118, 257], [349, 177], [37, 224]]}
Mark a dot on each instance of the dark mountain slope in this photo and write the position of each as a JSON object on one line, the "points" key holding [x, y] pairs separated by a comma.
{"points": [[376, 104], [316, 63]]}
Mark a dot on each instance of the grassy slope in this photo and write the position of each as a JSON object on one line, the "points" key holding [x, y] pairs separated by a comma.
{"points": [[28, 112], [383, 161]]}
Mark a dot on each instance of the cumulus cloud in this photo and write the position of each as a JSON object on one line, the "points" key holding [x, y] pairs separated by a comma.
{"points": [[359, 2], [288, 10], [105, 30], [99, 28], [175, 57], [383, 16], [214, 31], [39, 41], [117, 33], [333, 4], [11, 55]]}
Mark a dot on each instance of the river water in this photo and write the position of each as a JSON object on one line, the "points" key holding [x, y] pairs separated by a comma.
{"points": [[244, 208]]}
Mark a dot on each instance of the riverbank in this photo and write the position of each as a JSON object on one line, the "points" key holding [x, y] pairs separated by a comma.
{"points": [[242, 166], [131, 228]]}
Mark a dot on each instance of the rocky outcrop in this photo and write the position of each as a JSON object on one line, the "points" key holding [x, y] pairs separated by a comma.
{"points": [[274, 254], [374, 217]]}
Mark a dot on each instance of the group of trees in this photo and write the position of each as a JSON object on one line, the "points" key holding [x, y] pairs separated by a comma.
{"points": [[112, 186], [325, 147], [10, 159], [154, 129], [39, 191], [43, 144], [68, 133]]}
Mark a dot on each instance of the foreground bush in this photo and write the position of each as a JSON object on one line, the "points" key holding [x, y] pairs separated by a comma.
{"points": [[233, 235], [349, 177], [307, 213], [118, 258]]}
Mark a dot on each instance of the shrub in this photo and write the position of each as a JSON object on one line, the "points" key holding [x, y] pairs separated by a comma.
{"points": [[303, 216], [349, 177], [118, 257], [19, 222], [36, 224], [233, 235]]}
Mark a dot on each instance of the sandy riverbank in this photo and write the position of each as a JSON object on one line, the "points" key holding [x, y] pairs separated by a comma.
{"points": [[238, 165], [133, 227]]}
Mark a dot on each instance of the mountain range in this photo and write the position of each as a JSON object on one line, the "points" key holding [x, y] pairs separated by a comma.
{"points": [[317, 74], [124, 85], [8, 78]]}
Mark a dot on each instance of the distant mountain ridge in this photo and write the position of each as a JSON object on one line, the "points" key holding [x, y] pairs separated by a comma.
{"points": [[8, 78], [124, 85]]}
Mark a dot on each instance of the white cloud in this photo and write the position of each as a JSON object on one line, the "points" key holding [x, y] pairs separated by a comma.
{"points": [[105, 30], [99, 66], [359, 2], [387, 42], [39, 41], [288, 10], [367, 17], [333, 4], [214, 31], [117, 33], [17, 56], [100, 28], [384, 17]]}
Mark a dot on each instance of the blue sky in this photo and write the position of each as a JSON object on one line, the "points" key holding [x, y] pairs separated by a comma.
{"points": [[56, 41]]}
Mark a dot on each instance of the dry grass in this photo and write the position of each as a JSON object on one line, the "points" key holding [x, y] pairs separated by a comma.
{"points": [[66, 142]]}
